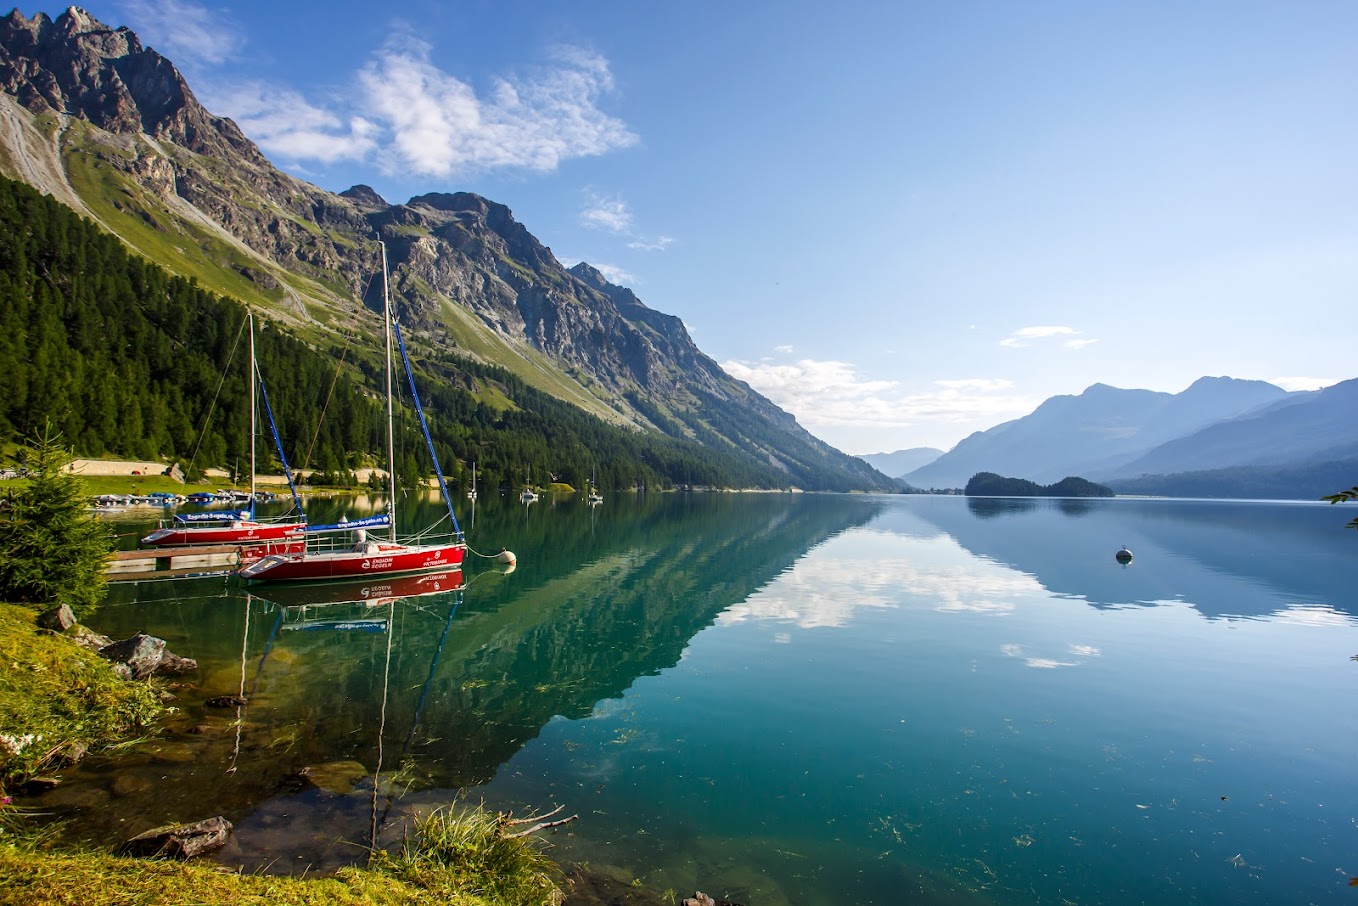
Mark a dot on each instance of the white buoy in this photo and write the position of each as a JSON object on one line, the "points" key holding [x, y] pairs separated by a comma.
{"points": [[1123, 556], [505, 557]]}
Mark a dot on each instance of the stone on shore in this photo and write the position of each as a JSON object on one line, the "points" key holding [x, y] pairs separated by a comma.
{"points": [[58, 619], [180, 841], [139, 655]]}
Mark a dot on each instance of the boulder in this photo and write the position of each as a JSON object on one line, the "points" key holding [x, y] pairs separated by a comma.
{"points": [[58, 619], [140, 654], [180, 841], [174, 665], [88, 638]]}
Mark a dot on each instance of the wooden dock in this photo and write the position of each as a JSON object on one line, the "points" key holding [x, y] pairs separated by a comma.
{"points": [[175, 562]]}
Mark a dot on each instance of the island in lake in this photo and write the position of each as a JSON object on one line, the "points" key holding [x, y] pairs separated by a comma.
{"points": [[988, 484]]}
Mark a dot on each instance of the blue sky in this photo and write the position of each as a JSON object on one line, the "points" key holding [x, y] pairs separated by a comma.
{"points": [[902, 222]]}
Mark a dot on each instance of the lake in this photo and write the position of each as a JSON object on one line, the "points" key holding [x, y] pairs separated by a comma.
{"points": [[799, 699]]}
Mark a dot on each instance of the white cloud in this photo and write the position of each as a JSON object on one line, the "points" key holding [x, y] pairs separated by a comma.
{"points": [[605, 213], [785, 350], [832, 394], [615, 275], [283, 122], [1025, 336], [1303, 383], [186, 32], [976, 384], [658, 244], [413, 117]]}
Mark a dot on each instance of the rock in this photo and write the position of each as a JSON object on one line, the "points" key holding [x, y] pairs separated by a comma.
{"points": [[226, 701], [129, 785], [180, 841], [174, 665], [337, 777], [36, 786], [88, 638], [701, 899], [66, 754], [58, 619], [141, 654]]}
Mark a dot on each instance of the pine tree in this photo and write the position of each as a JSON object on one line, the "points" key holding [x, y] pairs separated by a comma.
{"points": [[51, 550]]}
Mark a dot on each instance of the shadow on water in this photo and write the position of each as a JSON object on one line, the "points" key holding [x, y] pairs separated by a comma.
{"points": [[357, 703]]}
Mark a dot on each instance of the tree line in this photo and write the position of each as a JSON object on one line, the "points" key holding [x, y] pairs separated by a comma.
{"points": [[122, 358]]}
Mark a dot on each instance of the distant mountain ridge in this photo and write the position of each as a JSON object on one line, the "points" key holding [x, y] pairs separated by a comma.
{"points": [[111, 128], [902, 461], [1094, 434]]}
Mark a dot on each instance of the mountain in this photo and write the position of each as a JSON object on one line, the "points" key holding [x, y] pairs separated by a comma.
{"points": [[902, 461], [110, 128], [1313, 427], [1093, 434]]}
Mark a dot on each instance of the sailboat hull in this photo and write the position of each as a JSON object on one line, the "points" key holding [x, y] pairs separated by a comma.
{"points": [[240, 533], [374, 559]]}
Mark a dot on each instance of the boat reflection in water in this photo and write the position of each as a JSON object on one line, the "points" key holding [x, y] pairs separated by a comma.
{"points": [[346, 605]]}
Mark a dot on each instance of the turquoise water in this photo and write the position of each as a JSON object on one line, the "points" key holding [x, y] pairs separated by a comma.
{"points": [[806, 699]]}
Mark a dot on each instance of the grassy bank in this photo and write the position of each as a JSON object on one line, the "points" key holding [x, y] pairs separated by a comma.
{"points": [[58, 700], [463, 859]]}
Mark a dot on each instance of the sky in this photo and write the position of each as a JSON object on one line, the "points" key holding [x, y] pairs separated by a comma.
{"points": [[902, 222]]}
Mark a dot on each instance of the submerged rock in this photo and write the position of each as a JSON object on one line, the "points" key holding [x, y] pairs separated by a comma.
{"points": [[337, 777], [701, 899], [180, 841], [173, 665]]}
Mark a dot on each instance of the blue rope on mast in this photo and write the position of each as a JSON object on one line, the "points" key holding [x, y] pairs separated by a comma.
{"points": [[278, 444], [424, 426]]}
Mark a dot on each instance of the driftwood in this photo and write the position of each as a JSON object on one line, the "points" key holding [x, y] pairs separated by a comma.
{"points": [[542, 823]]}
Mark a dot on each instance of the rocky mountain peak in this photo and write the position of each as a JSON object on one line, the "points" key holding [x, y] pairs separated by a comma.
{"points": [[365, 197], [80, 67]]}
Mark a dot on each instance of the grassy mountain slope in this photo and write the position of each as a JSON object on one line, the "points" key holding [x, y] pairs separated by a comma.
{"points": [[93, 118]]}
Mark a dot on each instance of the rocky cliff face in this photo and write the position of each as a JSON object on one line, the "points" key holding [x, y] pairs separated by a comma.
{"points": [[116, 128]]}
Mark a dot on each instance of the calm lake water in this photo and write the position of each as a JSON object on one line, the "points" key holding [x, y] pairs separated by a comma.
{"points": [[802, 699]]}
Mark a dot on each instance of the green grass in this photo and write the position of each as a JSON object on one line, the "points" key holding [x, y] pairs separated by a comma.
{"points": [[62, 696], [464, 858]]}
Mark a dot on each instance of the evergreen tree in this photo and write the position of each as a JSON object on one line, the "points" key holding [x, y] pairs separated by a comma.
{"points": [[52, 551]]}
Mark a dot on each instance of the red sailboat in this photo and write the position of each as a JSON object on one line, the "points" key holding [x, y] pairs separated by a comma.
{"points": [[238, 526], [365, 556]]}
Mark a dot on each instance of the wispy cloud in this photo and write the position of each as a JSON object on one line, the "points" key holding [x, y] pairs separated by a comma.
{"points": [[658, 244], [1079, 344], [603, 212], [1025, 336], [1303, 383], [615, 275], [785, 350], [285, 123], [406, 113], [612, 214], [823, 394], [438, 124], [186, 32]]}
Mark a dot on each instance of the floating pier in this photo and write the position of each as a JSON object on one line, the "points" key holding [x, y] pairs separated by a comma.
{"points": [[190, 560]]}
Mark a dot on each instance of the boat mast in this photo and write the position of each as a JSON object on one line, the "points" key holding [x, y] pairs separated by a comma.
{"points": [[391, 441], [251, 317]]}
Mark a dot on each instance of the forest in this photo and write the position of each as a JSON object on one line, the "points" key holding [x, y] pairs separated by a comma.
{"points": [[988, 484], [127, 360]]}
